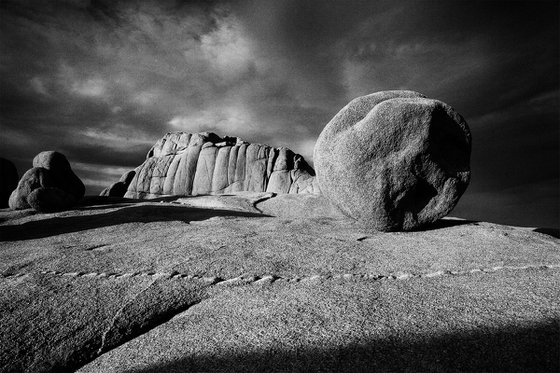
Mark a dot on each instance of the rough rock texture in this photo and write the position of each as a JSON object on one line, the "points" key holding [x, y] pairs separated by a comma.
{"points": [[8, 181], [63, 176], [394, 160], [36, 177], [50, 199], [60, 187], [214, 285], [205, 163], [119, 188]]}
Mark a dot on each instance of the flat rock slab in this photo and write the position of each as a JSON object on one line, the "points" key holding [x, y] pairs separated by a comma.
{"points": [[484, 322], [242, 201], [245, 285]]}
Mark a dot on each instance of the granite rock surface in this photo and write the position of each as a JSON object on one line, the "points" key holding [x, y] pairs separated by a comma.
{"points": [[49, 186], [394, 160], [204, 163], [241, 282]]}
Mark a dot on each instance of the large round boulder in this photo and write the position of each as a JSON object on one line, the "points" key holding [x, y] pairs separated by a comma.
{"points": [[8, 181], [394, 160]]}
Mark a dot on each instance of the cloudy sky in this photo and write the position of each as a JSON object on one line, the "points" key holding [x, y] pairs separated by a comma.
{"points": [[101, 81]]}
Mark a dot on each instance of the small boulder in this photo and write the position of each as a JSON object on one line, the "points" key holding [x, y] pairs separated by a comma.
{"points": [[394, 160], [51, 172], [8, 181], [127, 177], [50, 199], [119, 188], [34, 178], [62, 173]]}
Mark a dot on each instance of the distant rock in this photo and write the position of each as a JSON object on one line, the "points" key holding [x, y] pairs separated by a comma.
{"points": [[49, 186], [119, 188], [50, 199], [394, 160], [36, 177], [62, 173], [8, 181], [204, 163]]}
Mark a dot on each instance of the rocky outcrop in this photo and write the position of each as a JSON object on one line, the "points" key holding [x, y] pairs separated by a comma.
{"points": [[119, 188], [8, 181], [49, 186], [394, 160], [204, 163]]}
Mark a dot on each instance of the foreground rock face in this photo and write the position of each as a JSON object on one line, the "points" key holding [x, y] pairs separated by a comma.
{"points": [[49, 186], [8, 181], [208, 283], [205, 163], [394, 160]]}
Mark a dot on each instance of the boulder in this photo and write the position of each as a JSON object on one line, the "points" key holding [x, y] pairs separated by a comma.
{"points": [[118, 189], [62, 173], [204, 163], [50, 199], [394, 160], [34, 178], [60, 187], [8, 181]]}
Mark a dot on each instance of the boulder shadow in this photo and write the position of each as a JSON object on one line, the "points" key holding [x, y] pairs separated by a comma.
{"points": [[511, 349], [145, 213], [444, 223]]}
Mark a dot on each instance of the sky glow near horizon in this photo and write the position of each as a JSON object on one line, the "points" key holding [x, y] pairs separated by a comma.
{"points": [[101, 81]]}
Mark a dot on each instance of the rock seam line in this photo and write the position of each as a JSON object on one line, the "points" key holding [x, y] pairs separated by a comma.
{"points": [[254, 279]]}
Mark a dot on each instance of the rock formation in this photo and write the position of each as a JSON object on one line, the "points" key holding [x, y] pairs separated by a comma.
{"points": [[394, 160], [119, 188], [204, 163], [49, 186], [8, 181]]}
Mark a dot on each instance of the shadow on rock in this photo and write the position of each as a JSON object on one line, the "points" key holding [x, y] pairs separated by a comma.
{"points": [[511, 349], [445, 223], [135, 214], [549, 231]]}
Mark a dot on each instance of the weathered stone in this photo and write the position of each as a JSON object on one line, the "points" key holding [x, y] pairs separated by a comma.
{"points": [[62, 173], [50, 199], [127, 177], [50, 170], [220, 176], [394, 160], [280, 182], [170, 178], [205, 163], [119, 188], [34, 178], [240, 170], [204, 170], [8, 181]]}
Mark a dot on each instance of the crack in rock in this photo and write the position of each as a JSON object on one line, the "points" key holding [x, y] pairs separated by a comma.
{"points": [[270, 278]]}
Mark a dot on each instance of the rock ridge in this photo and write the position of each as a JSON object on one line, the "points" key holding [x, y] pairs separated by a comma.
{"points": [[184, 163]]}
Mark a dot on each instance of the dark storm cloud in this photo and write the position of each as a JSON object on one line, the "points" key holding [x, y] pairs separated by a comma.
{"points": [[102, 80]]}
